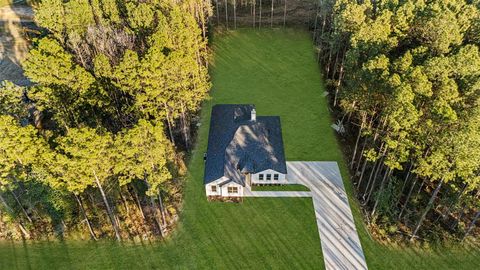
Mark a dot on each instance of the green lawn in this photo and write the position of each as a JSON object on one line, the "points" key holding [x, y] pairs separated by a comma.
{"points": [[276, 71], [293, 187]]}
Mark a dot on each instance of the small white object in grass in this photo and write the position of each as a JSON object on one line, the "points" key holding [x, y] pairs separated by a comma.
{"points": [[325, 93], [338, 126], [199, 124]]}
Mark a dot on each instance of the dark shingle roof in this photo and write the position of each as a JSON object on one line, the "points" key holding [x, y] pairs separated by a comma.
{"points": [[238, 145]]}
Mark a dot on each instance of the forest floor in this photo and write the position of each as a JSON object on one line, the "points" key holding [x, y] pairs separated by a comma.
{"points": [[276, 71]]}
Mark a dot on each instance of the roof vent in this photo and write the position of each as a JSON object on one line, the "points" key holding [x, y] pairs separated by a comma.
{"points": [[253, 115]]}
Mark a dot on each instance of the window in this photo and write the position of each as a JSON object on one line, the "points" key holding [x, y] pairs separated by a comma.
{"points": [[260, 177], [214, 188], [269, 177], [232, 189], [275, 177]]}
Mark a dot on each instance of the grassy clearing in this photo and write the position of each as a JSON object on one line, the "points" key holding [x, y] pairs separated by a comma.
{"points": [[293, 187], [276, 70]]}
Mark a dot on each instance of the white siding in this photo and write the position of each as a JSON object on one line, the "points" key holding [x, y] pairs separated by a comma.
{"points": [[232, 184], [281, 178], [223, 190], [208, 187]]}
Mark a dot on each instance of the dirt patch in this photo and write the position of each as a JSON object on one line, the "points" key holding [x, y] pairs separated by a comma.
{"points": [[15, 23]]}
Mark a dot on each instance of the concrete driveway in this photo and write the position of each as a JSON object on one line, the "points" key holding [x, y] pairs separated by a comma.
{"points": [[338, 235]]}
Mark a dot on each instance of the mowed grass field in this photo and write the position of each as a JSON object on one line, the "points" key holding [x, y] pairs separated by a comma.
{"points": [[276, 71]]}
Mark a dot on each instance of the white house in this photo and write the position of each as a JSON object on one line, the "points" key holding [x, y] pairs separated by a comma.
{"points": [[243, 150]]}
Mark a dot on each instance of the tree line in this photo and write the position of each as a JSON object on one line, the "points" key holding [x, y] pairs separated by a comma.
{"points": [[404, 80], [231, 14], [96, 146]]}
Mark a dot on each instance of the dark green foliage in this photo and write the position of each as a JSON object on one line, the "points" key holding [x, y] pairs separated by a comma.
{"points": [[112, 79], [407, 73]]}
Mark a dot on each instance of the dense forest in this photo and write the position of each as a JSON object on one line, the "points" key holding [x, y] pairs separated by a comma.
{"points": [[404, 80], [95, 148]]}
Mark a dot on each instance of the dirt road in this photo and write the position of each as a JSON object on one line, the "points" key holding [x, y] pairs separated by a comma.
{"points": [[14, 20]]}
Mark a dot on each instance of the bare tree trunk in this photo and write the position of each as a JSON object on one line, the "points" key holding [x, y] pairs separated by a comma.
{"points": [[124, 201], [235, 14], [459, 218], [339, 82], [361, 155], [315, 24], [271, 16], [218, 13], [155, 209], [285, 14], [404, 206], [21, 206], [361, 175], [156, 218], [24, 231], [375, 177], [82, 209], [472, 224], [109, 210], [427, 209], [327, 66], [405, 181], [369, 182], [226, 14], [335, 64], [448, 208], [162, 209], [323, 23], [260, 16], [169, 124], [186, 130], [374, 181], [382, 185], [137, 201], [462, 212], [202, 19], [253, 13], [421, 186], [356, 143], [375, 136], [370, 178]]}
